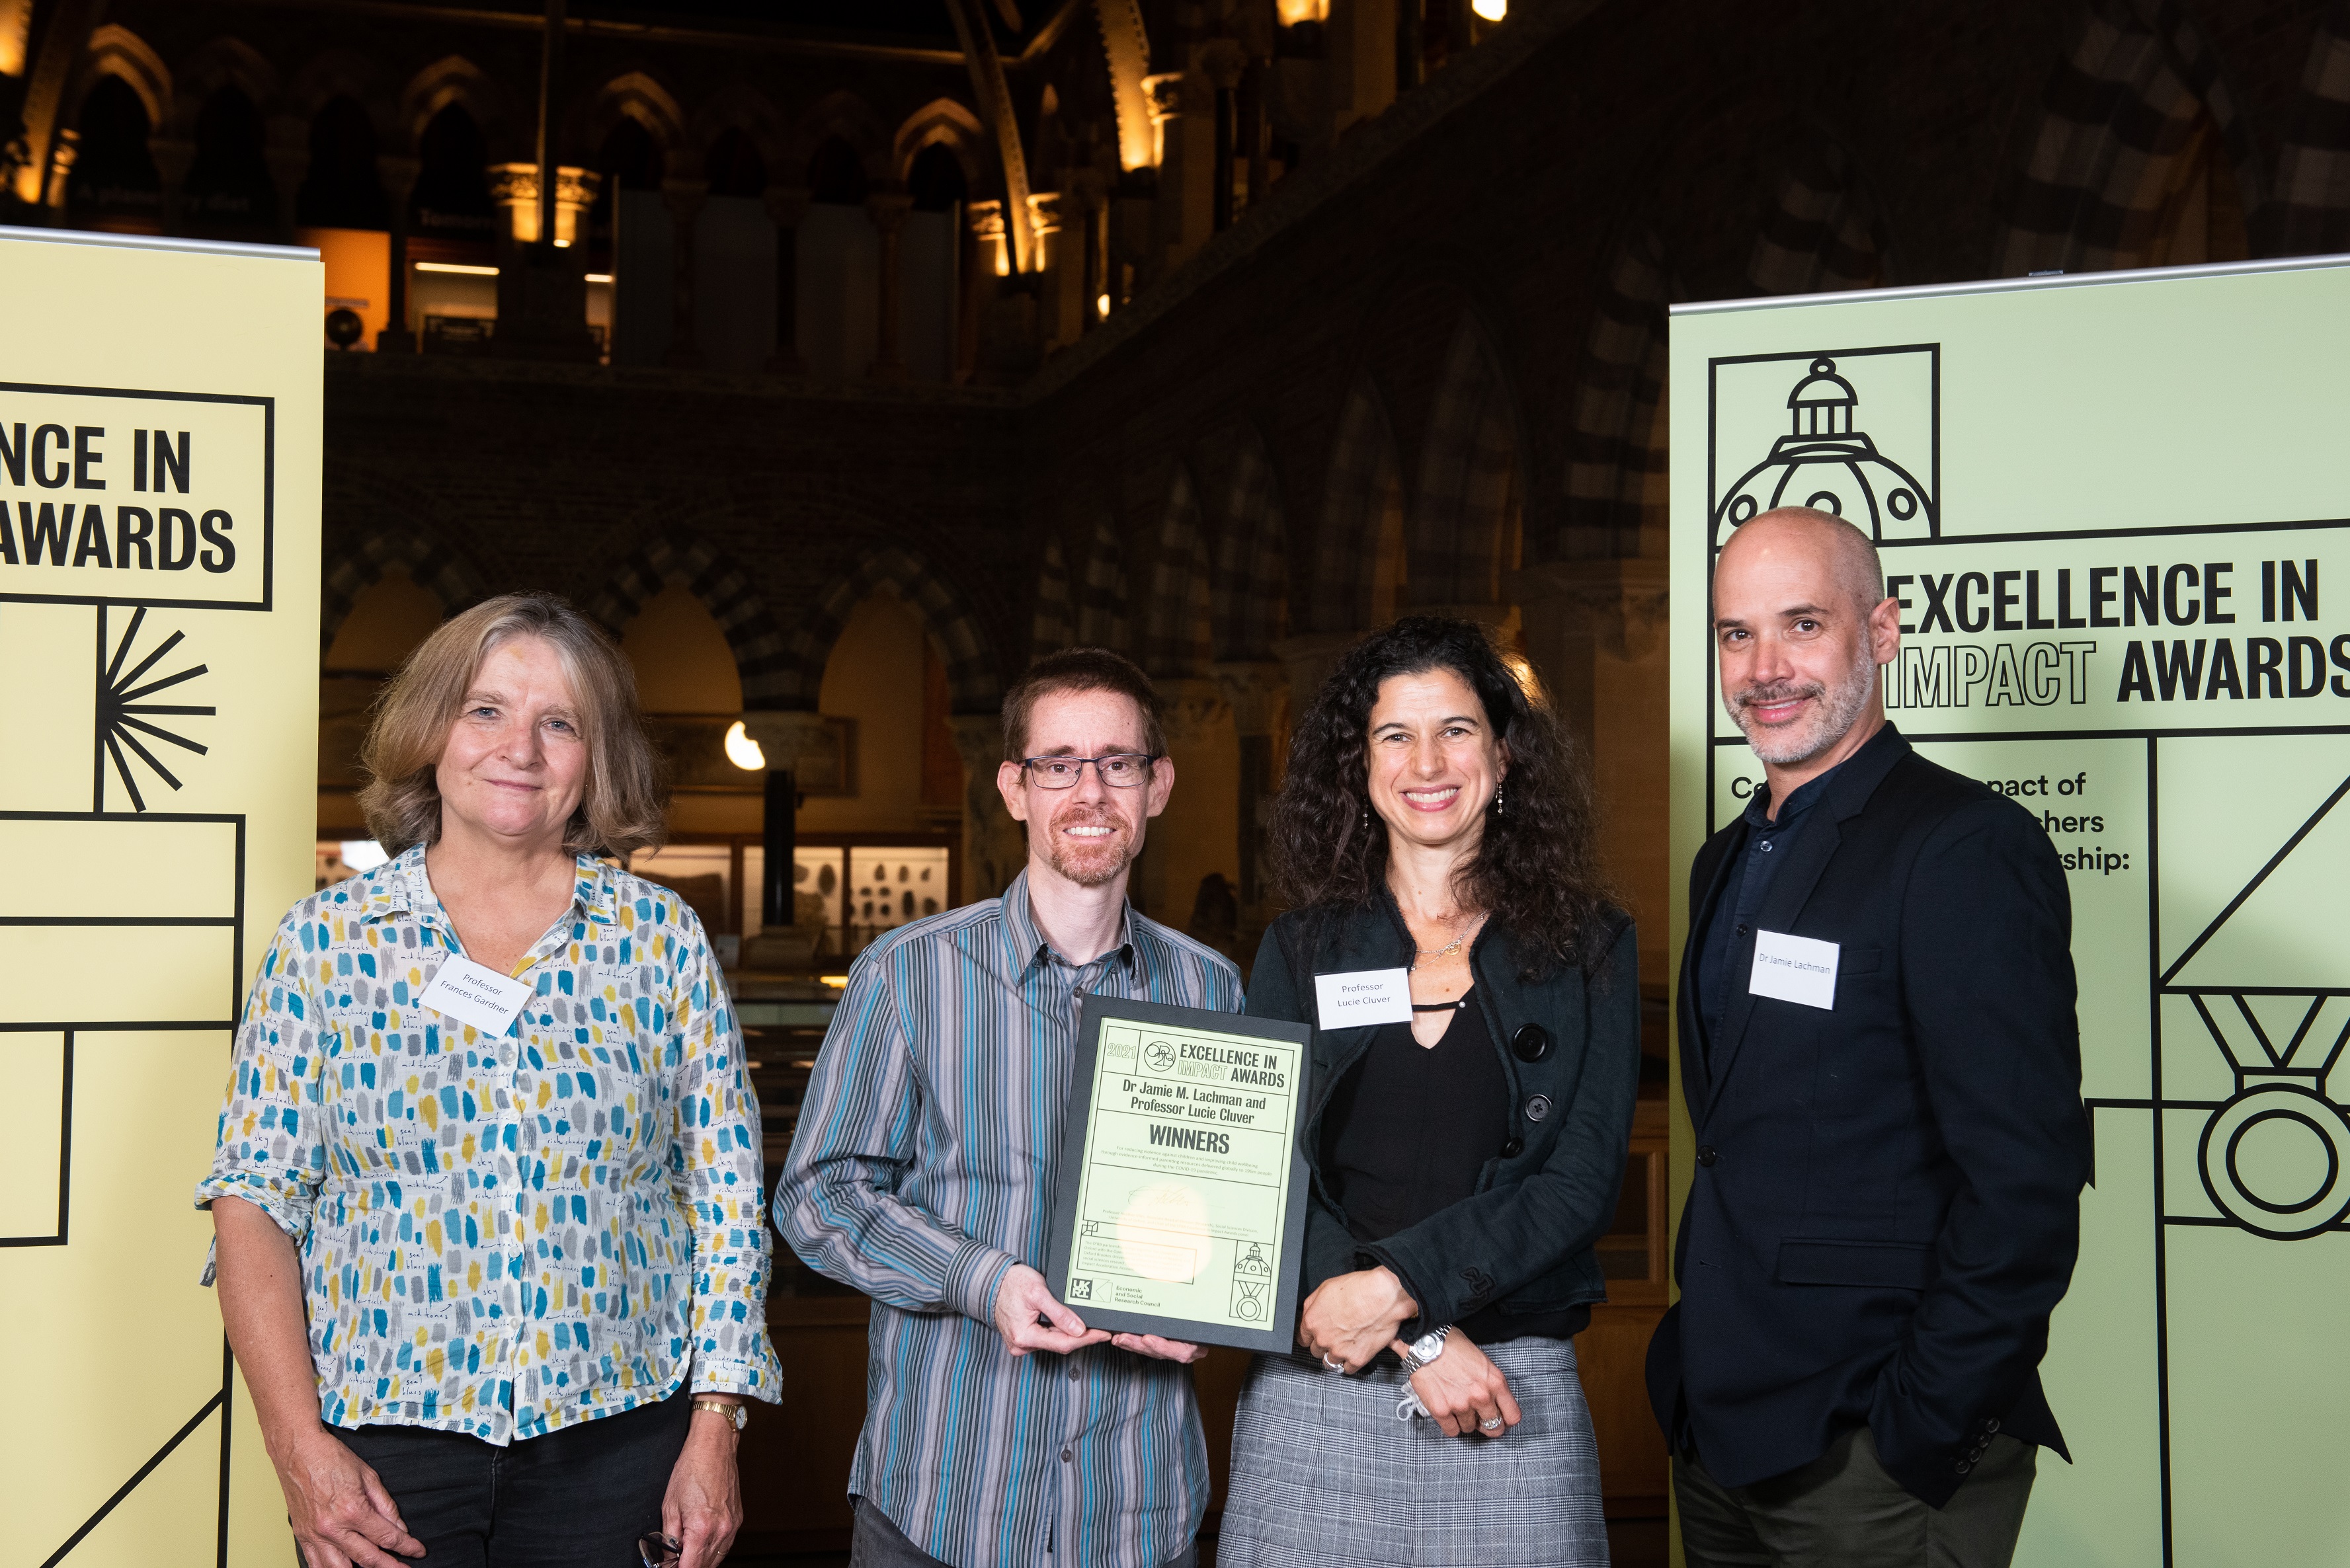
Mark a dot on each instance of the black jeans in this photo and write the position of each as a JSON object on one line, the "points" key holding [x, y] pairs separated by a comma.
{"points": [[574, 1498]]}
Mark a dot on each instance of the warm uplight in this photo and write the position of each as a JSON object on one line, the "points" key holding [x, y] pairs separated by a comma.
{"points": [[742, 750], [600, 278], [1522, 671], [1102, 304], [460, 268], [837, 982], [1293, 12], [1491, 10]]}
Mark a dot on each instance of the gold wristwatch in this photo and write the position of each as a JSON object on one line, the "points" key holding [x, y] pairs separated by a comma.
{"points": [[737, 1414]]}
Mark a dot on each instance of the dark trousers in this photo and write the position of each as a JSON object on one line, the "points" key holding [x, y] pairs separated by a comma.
{"points": [[879, 1543], [578, 1498], [1842, 1510]]}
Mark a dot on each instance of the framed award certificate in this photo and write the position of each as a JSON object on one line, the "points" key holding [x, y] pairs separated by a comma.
{"points": [[1181, 1206]]}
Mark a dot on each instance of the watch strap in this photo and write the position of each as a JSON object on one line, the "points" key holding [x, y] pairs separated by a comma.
{"points": [[732, 1412]]}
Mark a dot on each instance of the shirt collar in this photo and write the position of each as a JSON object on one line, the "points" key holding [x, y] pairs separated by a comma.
{"points": [[1025, 943], [400, 887], [1807, 793]]}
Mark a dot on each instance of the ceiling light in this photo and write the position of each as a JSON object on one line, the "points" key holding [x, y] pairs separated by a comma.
{"points": [[600, 278], [1491, 10], [742, 750], [459, 268]]}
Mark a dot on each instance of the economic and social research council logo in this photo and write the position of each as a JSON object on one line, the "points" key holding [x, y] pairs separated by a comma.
{"points": [[1855, 431]]}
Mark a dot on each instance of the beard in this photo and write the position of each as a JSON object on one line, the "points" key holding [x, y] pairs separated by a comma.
{"points": [[1088, 863], [1839, 706]]}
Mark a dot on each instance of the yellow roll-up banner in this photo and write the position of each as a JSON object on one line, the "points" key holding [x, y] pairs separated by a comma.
{"points": [[158, 652], [2116, 512]]}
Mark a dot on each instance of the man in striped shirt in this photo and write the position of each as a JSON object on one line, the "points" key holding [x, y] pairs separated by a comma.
{"points": [[999, 1429]]}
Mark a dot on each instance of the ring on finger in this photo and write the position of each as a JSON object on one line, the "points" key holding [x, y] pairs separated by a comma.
{"points": [[1491, 1425], [1333, 1364]]}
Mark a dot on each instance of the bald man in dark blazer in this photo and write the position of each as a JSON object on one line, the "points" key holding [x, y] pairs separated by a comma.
{"points": [[1880, 1060]]}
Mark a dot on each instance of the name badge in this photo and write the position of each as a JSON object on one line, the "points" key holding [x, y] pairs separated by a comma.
{"points": [[1793, 969], [476, 994], [1363, 996]]}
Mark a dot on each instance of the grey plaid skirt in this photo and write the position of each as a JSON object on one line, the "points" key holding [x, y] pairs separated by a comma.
{"points": [[1325, 1476]]}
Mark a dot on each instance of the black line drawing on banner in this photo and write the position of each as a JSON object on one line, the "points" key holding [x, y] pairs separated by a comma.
{"points": [[120, 712], [1251, 1278], [1825, 458]]}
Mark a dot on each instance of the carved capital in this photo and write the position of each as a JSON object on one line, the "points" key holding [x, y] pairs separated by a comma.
{"points": [[1257, 691], [1308, 660], [1621, 604], [399, 175], [788, 204], [1046, 211], [1223, 61], [1173, 94], [783, 737], [888, 210], [1191, 708], [683, 198]]}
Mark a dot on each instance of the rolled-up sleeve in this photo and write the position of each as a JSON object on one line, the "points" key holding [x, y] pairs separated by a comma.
{"points": [[271, 1147], [715, 1167]]}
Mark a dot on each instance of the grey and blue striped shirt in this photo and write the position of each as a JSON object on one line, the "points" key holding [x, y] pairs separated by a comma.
{"points": [[922, 1170]]}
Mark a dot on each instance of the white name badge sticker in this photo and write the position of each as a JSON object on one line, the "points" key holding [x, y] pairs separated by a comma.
{"points": [[1363, 996], [475, 994], [1793, 969]]}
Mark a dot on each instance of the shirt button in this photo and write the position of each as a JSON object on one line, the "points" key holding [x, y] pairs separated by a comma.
{"points": [[1766, 847], [1514, 1147], [1707, 1154], [1073, 1374], [1743, 929], [1068, 1454]]}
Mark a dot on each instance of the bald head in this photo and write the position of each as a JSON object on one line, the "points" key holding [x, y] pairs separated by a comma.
{"points": [[1846, 555]]}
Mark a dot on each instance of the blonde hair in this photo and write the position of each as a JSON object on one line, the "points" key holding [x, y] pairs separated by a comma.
{"points": [[624, 803]]}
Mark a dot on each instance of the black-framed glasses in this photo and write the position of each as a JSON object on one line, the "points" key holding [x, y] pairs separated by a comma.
{"points": [[1124, 770], [659, 1551]]}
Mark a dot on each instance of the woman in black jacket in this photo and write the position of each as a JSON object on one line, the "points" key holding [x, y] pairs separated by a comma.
{"points": [[1434, 825]]}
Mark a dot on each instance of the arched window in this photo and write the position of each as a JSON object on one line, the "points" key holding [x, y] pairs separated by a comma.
{"points": [[229, 186], [682, 660], [629, 159], [453, 191], [733, 165], [935, 180], [114, 174], [837, 176], [342, 189]]}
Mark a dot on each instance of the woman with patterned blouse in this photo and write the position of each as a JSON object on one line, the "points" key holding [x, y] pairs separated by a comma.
{"points": [[498, 1288]]}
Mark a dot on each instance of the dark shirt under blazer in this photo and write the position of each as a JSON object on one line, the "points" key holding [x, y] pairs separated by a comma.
{"points": [[1886, 1206], [1524, 1242]]}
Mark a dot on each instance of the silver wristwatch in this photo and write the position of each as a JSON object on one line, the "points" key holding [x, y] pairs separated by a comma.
{"points": [[1425, 1349]]}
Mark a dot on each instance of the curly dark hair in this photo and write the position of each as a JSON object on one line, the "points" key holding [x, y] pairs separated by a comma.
{"points": [[1536, 870]]}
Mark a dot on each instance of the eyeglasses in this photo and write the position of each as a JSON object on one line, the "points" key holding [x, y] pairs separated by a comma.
{"points": [[659, 1551], [1124, 771]]}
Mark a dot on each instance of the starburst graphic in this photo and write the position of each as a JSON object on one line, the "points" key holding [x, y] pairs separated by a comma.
{"points": [[122, 716]]}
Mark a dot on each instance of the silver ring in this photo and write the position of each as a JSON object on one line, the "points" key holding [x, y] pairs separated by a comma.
{"points": [[1334, 1366], [1492, 1426]]}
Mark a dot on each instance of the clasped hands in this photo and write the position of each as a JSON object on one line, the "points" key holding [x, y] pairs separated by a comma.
{"points": [[1352, 1317], [1031, 1318]]}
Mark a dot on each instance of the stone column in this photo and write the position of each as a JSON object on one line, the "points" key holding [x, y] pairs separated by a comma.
{"points": [[288, 153], [786, 205], [1257, 691], [1198, 834], [783, 737], [1595, 632], [62, 154], [174, 156], [1182, 220], [1059, 242], [1223, 61], [995, 847], [683, 198], [399, 176], [887, 211]]}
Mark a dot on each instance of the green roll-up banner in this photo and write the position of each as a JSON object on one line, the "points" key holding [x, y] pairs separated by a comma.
{"points": [[2117, 510]]}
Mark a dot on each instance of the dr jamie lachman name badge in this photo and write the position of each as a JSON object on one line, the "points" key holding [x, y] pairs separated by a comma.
{"points": [[1181, 1205]]}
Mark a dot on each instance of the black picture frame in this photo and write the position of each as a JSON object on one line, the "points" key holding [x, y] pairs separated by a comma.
{"points": [[1279, 1334]]}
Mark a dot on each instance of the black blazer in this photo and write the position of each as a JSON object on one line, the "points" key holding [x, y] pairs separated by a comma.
{"points": [[1571, 1047], [1886, 1203]]}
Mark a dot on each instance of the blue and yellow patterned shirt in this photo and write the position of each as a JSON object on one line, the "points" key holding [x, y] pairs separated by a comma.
{"points": [[504, 1236]]}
